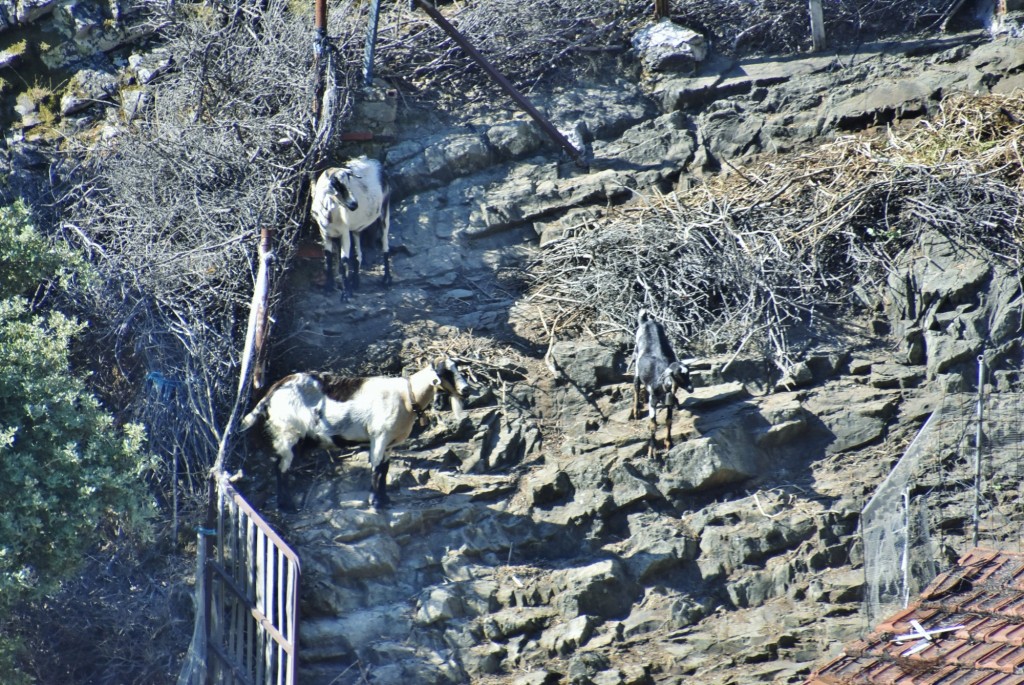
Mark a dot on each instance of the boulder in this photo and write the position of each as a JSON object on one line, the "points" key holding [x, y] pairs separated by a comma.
{"points": [[601, 589], [588, 365], [438, 604], [566, 638], [740, 536], [514, 139], [86, 88], [506, 623], [655, 546], [666, 46], [30, 10], [325, 638], [371, 557], [727, 457]]}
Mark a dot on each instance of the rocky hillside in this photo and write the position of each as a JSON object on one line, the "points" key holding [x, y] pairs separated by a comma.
{"points": [[535, 541]]}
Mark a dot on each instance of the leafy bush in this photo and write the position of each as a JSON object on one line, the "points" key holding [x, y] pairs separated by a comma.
{"points": [[71, 478]]}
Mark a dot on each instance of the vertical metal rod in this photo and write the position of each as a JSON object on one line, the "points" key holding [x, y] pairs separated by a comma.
{"points": [[174, 495], [319, 46], [371, 42], [979, 437], [905, 561], [502, 82]]}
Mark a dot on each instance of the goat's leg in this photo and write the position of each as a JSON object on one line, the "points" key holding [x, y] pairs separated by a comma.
{"points": [[635, 411], [379, 486], [329, 266], [385, 240], [668, 423], [344, 272], [652, 421], [355, 259], [379, 476], [284, 495]]}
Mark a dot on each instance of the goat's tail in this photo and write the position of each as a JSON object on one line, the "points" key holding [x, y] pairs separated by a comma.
{"points": [[259, 413]]}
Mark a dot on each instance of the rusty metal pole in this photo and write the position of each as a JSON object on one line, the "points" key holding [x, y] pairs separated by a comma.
{"points": [[502, 82]]}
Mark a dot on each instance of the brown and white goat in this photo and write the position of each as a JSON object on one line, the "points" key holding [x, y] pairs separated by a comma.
{"points": [[306, 410]]}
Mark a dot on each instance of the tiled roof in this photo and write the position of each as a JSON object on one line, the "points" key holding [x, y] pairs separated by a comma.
{"points": [[980, 603]]}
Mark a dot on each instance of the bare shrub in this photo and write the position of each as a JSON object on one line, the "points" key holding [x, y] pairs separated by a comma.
{"points": [[739, 27], [528, 41], [171, 205]]}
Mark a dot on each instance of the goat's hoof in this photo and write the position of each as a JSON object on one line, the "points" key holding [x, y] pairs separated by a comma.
{"points": [[382, 502]]}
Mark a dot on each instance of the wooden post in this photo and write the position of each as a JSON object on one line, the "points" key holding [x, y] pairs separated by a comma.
{"points": [[661, 9], [261, 304], [817, 26], [247, 364]]}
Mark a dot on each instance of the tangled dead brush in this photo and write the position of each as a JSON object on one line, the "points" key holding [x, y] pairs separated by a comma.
{"points": [[793, 244], [170, 205], [484, 361]]}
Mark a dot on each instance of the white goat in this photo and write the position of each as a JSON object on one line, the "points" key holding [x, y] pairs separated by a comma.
{"points": [[661, 374], [306, 410], [346, 201]]}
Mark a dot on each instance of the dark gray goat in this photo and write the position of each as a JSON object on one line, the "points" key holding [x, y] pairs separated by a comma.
{"points": [[661, 374]]}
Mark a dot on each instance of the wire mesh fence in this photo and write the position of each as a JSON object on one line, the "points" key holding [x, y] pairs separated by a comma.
{"points": [[957, 486]]}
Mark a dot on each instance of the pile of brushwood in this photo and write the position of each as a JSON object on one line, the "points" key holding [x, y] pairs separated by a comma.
{"points": [[794, 244], [169, 206]]}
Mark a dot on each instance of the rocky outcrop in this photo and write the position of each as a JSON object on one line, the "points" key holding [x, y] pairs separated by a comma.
{"points": [[536, 541]]}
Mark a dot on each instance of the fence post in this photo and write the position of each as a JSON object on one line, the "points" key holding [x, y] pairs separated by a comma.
{"points": [[319, 50], [371, 42], [817, 26], [979, 438]]}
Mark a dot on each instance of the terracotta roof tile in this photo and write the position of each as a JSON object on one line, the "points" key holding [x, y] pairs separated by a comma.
{"points": [[984, 594]]}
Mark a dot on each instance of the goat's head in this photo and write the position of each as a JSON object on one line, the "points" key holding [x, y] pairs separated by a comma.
{"points": [[676, 376], [451, 380], [680, 376], [339, 184]]}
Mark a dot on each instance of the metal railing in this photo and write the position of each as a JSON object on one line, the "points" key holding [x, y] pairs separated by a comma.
{"points": [[247, 601]]}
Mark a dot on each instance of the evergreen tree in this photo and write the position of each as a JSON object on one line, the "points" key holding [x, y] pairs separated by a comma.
{"points": [[69, 477]]}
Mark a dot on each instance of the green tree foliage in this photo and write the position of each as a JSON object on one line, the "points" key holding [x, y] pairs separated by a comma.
{"points": [[69, 478]]}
